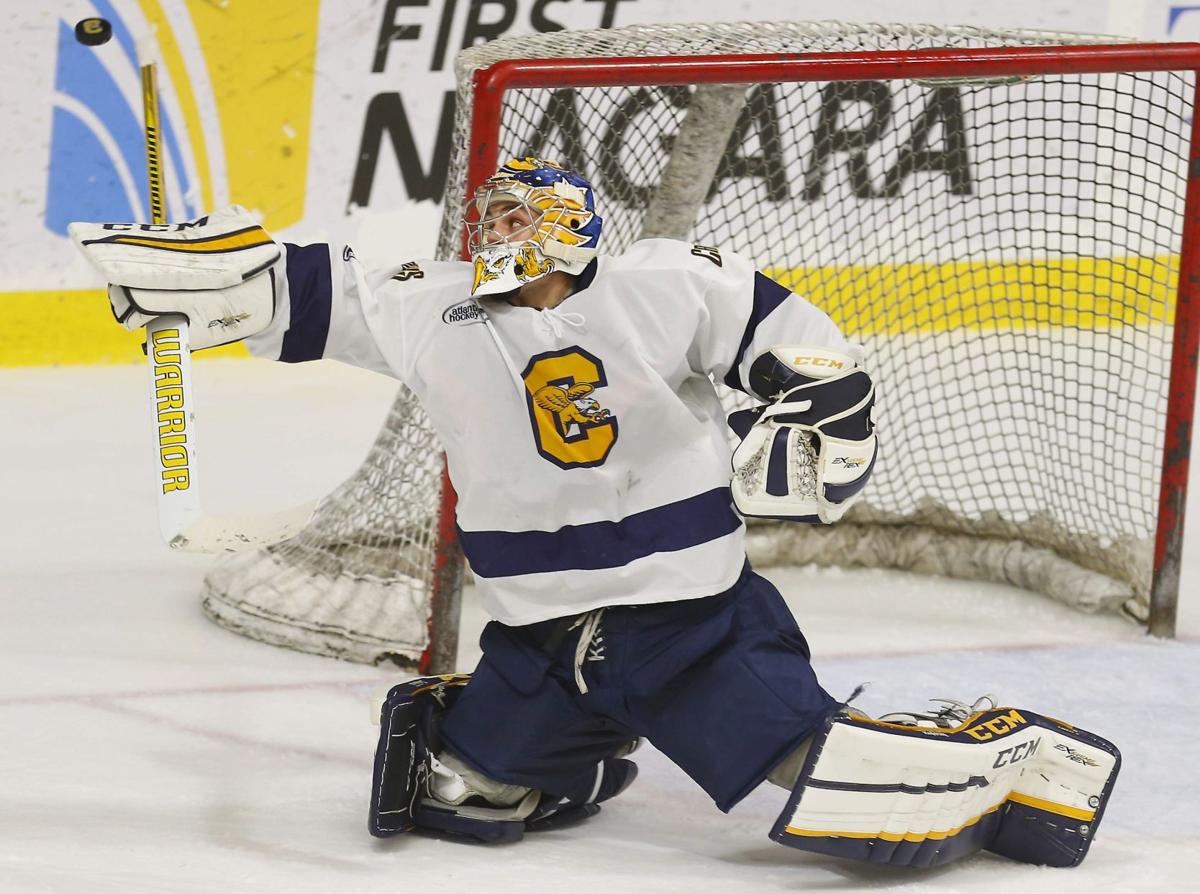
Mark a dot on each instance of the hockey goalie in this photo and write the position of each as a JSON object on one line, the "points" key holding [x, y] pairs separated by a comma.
{"points": [[602, 512]]}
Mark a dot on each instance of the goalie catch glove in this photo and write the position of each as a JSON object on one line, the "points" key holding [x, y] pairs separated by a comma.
{"points": [[807, 456], [216, 270]]}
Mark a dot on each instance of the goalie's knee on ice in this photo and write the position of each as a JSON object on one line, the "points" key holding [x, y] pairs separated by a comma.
{"points": [[417, 784], [1010, 781], [408, 723]]}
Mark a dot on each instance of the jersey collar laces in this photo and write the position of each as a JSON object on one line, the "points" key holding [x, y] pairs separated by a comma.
{"points": [[553, 320], [529, 219]]}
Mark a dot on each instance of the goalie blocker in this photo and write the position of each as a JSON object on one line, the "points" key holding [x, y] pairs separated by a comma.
{"points": [[216, 270], [1007, 780]]}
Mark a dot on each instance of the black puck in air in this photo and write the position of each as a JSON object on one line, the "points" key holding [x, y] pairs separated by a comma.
{"points": [[93, 32]]}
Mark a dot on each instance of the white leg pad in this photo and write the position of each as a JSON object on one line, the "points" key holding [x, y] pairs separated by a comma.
{"points": [[1011, 781]]}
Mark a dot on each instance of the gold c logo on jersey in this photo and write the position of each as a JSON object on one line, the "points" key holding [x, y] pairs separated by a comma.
{"points": [[570, 427]]}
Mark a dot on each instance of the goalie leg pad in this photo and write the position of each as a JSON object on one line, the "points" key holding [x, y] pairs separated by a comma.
{"points": [[412, 789], [406, 731], [405, 761], [1020, 784]]}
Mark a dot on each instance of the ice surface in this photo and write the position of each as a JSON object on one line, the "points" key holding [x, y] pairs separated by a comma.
{"points": [[144, 749]]}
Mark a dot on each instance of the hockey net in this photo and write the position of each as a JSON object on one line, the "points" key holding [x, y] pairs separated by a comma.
{"points": [[1003, 233]]}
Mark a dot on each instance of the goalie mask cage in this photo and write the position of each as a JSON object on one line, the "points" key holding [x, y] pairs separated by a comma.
{"points": [[1006, 221]]}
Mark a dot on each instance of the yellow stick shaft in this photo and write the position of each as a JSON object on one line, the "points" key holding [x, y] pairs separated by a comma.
{"points": [[158, 212]]}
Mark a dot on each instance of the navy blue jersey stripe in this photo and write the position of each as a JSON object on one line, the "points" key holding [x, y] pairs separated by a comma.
{"points": [[604, 544], [311, 288], [768, 295]]}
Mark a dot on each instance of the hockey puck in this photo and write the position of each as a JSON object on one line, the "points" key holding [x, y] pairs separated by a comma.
{"points": [[93, 32]]}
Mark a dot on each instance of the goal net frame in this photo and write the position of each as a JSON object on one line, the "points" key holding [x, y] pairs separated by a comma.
{"points": [[481, 134], [950, 65]]}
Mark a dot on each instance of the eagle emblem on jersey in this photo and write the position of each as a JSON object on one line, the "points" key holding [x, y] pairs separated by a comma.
{"points": [[527, 267], [572, 406], [570, 427]]}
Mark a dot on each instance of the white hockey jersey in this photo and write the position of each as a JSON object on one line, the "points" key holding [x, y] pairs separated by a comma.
{"points": [[586, 443]]}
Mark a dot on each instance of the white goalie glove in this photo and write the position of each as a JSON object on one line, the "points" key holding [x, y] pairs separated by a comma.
{"points": [[807, 456], [217, 271]]}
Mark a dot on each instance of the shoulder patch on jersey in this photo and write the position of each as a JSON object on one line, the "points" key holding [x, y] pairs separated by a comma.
{"points": [[348, 253], [709, 253], [409, 270], [463, 312]]}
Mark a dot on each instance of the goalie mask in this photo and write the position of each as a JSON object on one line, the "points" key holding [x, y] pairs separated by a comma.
{"points": [[527, 220]]}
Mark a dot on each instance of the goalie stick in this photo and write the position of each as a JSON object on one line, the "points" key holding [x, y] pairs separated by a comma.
{"points": [[183, 524]]}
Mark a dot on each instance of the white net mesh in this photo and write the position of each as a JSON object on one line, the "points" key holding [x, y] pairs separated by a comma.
{"points": [[1006, 249], [692, 39], [356, 582]]}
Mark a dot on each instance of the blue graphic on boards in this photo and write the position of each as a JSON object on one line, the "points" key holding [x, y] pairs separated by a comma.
{"points": [[1175, 13], [85, 181], [1189, 16]]}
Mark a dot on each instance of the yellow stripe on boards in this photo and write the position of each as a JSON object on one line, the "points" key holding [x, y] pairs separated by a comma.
{"points": [[1093, 294], [59, 328], [261, 59]]}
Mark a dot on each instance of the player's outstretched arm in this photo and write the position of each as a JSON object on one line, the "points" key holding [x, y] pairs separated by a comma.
{"points": [[234, 282], [231, 281], [807, 455]]}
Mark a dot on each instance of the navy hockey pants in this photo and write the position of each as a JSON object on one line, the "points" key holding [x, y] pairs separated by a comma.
{"points": [[721, 685]]}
